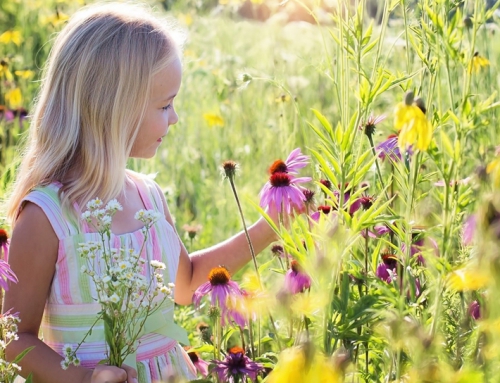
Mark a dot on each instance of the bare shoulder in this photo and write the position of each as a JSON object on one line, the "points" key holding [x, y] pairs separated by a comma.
{"points": [[33, 236]]}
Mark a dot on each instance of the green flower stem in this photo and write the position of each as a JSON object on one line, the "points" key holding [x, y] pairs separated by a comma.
{"points": [[250, 245]]}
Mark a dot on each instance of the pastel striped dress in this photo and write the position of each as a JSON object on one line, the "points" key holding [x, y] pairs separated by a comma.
{"points": [[71, 308]]}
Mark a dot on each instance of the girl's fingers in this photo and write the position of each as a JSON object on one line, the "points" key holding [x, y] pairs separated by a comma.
{"points": [[109, 374], [131, 373]]}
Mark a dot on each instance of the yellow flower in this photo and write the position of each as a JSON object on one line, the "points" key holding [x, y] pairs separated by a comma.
{"points": [[14, 98], [292, 367], [493, 168], [467, 279], [186, 19], [24, 73], [55, 20], [213, 119], [414, 127], [4, 70], [11, 36], [477, 63], [282, 98]]}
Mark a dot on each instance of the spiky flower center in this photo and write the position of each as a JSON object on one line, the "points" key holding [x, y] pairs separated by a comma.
{"points": [[309, 195], [325, 209], [236, 350], [278, 166], [229, 168], [277, 249], [295, 266], [219, 276], [3, 236], [366, 202], [280, 179], [326, 183]]}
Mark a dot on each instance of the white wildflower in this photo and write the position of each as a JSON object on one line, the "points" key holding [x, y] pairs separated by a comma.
{"points": [[94, 204], [113, 206], [158, 265]]}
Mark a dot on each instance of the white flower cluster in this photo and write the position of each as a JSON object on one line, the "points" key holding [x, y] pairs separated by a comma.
{"points": [[101, 217], [8, 333], [69, 357], [148, 217], [128, 288]]}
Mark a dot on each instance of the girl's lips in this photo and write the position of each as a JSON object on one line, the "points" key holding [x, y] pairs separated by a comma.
{"points": [[160, 139]]}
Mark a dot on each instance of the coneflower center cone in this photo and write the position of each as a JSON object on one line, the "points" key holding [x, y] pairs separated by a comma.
{"points": [[278, 166], [280, 179], [219, 276]]}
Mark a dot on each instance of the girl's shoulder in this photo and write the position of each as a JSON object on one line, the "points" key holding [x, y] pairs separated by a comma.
{"points": [[147, 183]]}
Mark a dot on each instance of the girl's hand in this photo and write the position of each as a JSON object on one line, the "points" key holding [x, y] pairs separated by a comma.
{"points": [[111, 374]]}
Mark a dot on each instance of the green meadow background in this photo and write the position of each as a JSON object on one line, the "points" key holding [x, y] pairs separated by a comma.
{"points": [[252, 91]]}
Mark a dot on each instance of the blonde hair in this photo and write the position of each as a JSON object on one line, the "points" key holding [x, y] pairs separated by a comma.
{"points": [[92, 101]]}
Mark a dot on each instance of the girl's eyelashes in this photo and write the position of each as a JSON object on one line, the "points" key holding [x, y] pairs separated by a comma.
{"points": [[167, 107]]}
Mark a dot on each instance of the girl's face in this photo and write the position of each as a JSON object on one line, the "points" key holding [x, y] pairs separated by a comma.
{"points": [[160, 113]]}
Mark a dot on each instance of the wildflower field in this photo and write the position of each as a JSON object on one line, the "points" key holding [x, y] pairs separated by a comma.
{"points": [[381, 133]]}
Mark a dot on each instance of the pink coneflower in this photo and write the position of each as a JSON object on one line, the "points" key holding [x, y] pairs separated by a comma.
{"points": [[296, 281], [377, 232], [421, 243], [295, 161], [388, 268], [237, 367], [283, 192], [200, 364], [469, 229], [220, 286], [4, 244], [6, 274], [322, 209], [370, 125], [364, 202], [389, 147]]}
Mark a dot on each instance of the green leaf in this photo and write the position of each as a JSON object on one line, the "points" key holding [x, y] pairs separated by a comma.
{"points": [[22, 355]]}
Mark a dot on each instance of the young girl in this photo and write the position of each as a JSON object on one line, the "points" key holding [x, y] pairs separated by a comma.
{"points": [[107, 95]]}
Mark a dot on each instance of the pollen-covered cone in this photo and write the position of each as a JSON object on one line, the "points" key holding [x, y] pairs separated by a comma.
{"points": [[415, 129], [292, 367]]}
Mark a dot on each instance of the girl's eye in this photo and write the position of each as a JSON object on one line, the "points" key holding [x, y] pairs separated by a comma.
{"points": [[167, 107]]}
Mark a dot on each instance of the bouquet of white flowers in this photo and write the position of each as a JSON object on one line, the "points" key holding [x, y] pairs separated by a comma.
{"points": [[127, 297]]}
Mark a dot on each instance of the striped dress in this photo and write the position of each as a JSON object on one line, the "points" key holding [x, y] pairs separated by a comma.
{"points": [[71, 308]]}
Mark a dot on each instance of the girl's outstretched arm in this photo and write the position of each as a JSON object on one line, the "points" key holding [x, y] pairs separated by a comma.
{"points": [[233, 253], [32, 257]]}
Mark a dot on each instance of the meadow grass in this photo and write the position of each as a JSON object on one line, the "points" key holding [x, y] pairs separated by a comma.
{"points": [[254, 91]]}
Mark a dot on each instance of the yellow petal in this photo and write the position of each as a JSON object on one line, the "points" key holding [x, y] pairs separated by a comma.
{"points": [[213, 119]]}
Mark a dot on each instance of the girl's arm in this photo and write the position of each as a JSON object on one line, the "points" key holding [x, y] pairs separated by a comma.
{"points": [[233, 253], [32, 256]]}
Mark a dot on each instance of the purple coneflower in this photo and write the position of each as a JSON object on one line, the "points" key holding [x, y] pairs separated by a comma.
{"points": [[296, 281], [364, 202], [220, 286], [283, 192], [377, 232], [469, 229], [322, 209], [200, 364], [420, 244], [389, 148], [370, 125], [237, 367], [6, 274], [475, 310], [388, 268]]}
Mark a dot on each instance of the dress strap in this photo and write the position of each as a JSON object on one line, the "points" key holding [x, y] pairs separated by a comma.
{"points": [[149, 194], [47, 198]]}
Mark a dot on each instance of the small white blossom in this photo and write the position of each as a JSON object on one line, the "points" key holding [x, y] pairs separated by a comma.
{"points": [[94, 204], [113, 206], [158, 265], [114, 298]]}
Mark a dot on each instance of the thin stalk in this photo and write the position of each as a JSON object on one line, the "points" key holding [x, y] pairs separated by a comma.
{"points": [[250, 245]]}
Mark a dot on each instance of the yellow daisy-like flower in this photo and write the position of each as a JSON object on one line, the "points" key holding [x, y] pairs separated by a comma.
{"points": [[413, 126], [11, 36], [467, 280], [477, 63], [493, 169], [292, 367], [14, 98], [213, 119], [25, 74]]}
